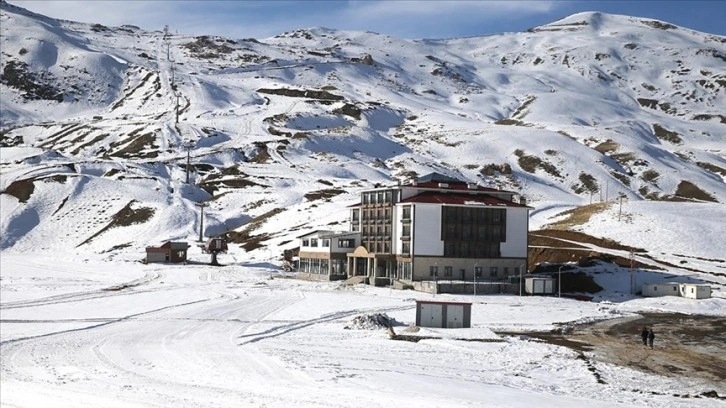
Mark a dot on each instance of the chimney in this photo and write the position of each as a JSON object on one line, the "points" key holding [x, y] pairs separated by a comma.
{"points": [[522, 200]]}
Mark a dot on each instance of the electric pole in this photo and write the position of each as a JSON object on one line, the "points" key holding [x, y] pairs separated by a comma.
{"points": [[188, 145], [166, 40], [201, 219], [177, 108]]}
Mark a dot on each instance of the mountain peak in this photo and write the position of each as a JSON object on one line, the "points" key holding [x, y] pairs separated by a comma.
{"points": [[295, 126]]}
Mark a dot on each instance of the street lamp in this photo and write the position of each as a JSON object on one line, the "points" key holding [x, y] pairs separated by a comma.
{"points": [[521, 271], [476, 278], [559, 282]]}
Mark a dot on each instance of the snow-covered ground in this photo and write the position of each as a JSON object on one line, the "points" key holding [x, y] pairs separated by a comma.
{"points": [[587, 108], [84, 332]]}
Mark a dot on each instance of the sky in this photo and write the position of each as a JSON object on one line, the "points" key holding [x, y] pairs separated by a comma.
{"points": [[403, 19]]}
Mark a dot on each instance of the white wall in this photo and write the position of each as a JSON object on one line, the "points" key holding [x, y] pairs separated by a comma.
{"points": [[333, 244], [517, 226], [660, 289], [396, 229], [336, 249], [694, 291], [427, 230]]}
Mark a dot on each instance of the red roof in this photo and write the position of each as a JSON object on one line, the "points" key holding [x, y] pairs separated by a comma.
{"points": [[436, 197], [454, 186]]}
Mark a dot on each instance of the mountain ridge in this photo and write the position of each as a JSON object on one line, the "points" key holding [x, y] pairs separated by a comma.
{"points": [[590, 107]]}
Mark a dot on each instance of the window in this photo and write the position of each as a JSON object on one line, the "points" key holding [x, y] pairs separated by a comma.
{"points": [[326, 243], [314, 242], [448, 271], [404, 270], [406, 213], [493, 271], [433, 271], [356, 214], [478, 271], [346, 243], [305, 242], [505, 271], [405, 248]]}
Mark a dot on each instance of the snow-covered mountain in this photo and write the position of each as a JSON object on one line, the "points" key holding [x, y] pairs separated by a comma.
{"points": [[282, 133]]}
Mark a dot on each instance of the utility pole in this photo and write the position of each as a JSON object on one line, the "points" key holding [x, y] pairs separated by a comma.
{"points": [[607, 184], [166, 40], [201, 219], [177, 108], [188, 145]]}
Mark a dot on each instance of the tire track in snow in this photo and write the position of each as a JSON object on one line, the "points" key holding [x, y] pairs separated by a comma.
{"points": [[115, 290], [283, 329], [105, 323]]}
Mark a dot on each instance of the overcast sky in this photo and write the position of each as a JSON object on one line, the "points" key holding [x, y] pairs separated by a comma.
{"points": [[405, 19]]}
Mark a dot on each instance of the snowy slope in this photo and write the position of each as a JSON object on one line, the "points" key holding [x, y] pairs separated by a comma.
{"points": [[588, 108], [282, 134]]}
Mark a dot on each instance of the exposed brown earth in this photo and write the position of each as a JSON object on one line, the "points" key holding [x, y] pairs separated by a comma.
{"points": [[685, 346], [552, 246]]}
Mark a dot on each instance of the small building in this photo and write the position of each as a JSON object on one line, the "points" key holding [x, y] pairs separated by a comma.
{"points": [[539, 285], [169, 252], [694, 291], [660, 289], [442, 314]]}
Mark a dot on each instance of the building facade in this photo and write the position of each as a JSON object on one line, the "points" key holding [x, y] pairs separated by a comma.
{"points": [[323, 254], [437, 227], [686, 290], [170, 251]]}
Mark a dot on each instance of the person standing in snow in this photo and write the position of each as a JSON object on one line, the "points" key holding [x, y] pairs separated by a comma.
{"points": [[644, 336], [651, 336]]}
